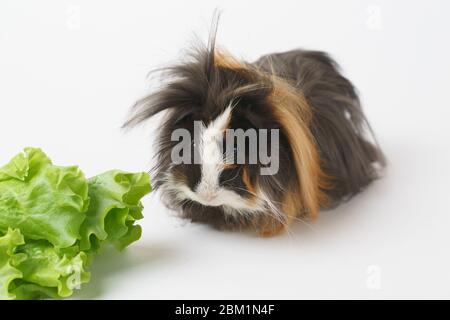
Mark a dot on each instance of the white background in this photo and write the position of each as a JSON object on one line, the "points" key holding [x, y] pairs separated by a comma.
{"points": [[70, 70]]}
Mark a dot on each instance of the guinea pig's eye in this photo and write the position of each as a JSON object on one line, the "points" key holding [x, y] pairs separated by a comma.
{"points": [[231, 179], [228, 175]]}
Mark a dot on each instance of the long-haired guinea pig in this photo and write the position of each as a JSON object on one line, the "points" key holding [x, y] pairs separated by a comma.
{"points": [[323, 141]]}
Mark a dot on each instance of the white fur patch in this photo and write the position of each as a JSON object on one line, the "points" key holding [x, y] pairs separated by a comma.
{"points": [[208, 192], [211, 155]]}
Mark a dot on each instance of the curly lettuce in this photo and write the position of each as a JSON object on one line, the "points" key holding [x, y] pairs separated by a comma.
{"points": [[53, 221], [42, 200], [8, 259], [115, 207]]}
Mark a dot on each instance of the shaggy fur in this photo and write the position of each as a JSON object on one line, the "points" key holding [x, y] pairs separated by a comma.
{"points": [[326, 153]]}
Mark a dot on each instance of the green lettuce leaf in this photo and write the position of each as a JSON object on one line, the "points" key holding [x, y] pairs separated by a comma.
{"points": [[8, 259], [114, 207], [53, 221], [48, 267], [42, 200]]}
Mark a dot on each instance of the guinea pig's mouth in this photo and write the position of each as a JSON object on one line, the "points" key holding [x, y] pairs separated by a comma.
{"points": [[210, 201], [221, 197], [225, 198]]}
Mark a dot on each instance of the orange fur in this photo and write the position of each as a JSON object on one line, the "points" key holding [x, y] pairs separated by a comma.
{"points": [[293, 112]]}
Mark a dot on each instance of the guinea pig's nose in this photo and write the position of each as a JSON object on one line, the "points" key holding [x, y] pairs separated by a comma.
{"points": [[210, 196], [207, 196]]}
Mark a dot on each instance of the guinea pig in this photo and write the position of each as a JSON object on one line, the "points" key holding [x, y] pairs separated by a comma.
{"points": [[325, 149]]}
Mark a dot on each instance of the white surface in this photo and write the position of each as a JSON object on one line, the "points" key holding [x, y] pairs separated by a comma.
{"points": [[67, 87]]}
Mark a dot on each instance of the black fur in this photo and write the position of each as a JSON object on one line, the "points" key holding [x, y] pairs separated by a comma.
{"points": [[339, 126], [198, 89]]}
